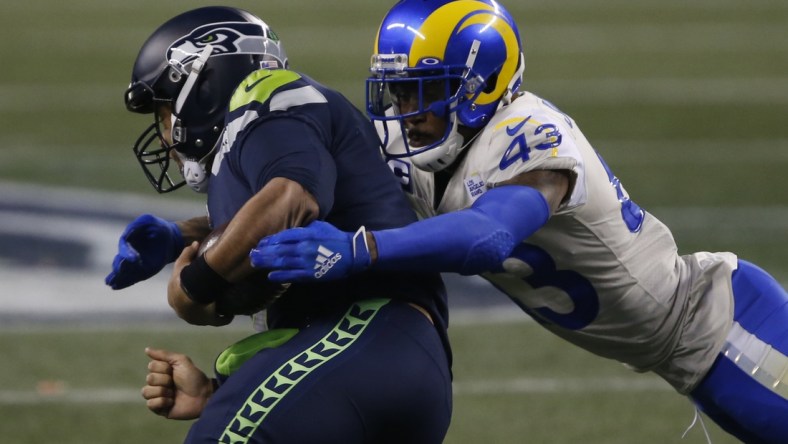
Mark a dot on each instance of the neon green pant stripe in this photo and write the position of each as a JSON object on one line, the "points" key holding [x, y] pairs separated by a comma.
{"points": [[263, 399]]}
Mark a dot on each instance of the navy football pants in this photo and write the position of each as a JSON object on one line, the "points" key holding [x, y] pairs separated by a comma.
{"points": [[374, 373], [746, 390]]}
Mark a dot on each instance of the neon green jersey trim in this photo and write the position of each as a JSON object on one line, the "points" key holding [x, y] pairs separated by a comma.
{"points": [[268, 394], [259, 85]]}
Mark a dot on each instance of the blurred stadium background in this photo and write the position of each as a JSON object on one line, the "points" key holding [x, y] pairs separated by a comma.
{"points": [[687, 102]]}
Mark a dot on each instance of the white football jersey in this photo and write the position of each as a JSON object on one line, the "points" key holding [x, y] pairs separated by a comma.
{"points": [[602, 273]]}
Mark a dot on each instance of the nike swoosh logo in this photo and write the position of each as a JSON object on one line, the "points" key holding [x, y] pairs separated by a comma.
{"points": [[516, 129], [251, 86]]}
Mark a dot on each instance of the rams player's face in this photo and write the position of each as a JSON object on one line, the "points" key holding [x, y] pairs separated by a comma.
{"points": [[426, 127]]}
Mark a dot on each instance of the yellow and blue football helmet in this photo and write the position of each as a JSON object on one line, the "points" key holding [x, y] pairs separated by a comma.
{"points": [[470, 48]]}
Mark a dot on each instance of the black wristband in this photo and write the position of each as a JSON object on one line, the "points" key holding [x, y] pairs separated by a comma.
{"points": [[201, 283]]}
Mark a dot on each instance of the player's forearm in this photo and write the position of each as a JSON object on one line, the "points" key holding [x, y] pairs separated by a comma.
{"points": [[281, 204], [194, 229], [469, 241]]}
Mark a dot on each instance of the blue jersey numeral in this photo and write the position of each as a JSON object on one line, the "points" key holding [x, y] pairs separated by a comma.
{"points": [[553, 136], [631, 212], [578, 288], [402, 172], [518, 148]]}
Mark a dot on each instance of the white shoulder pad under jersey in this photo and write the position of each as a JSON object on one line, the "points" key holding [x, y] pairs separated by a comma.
{"points": [[602, 273]]}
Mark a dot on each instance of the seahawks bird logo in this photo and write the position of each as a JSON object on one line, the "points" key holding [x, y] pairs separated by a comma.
{"points": [[225, 38]]}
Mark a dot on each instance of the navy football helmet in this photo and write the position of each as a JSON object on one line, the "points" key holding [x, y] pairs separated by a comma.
{"points": [[459, 59], [193, 63]]}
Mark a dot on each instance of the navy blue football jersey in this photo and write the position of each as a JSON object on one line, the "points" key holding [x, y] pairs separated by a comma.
{"points": [[283, 124]]}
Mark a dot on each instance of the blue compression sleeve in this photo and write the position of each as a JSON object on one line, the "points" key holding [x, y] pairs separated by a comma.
{"points": [[468, 241]]}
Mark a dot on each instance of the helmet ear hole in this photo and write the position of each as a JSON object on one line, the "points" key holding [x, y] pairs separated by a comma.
{"points": [[169, 85], [491, 82], [174, 75]]}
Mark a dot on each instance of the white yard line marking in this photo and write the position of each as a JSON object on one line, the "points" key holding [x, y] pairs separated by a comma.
{"points": [[516, 386], [519, 386], [71, 396]]}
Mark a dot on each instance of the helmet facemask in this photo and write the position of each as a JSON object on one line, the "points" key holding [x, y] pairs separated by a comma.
{"points": [[443, 92], [152, 149]]}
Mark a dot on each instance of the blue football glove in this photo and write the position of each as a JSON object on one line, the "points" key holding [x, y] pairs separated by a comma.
{"points": [[317, 252], [147, 244]]}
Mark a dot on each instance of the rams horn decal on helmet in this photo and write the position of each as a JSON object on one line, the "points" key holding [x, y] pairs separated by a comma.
{"points": [[470, 48]]}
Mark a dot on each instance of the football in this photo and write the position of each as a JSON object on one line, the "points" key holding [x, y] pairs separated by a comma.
{"points": [[249, 296]]}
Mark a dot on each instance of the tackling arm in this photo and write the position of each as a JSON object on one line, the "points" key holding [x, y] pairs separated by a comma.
{"points": [[468, 241], [478, 238]]}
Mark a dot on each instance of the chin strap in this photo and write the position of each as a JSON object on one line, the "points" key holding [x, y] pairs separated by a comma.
{"points": [[193, 170], [178, 131], [194, 72], [514, 83], [195, 175]]}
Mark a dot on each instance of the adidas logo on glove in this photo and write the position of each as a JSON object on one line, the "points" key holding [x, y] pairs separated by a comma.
{"points": [[319, 251], [325, 260]]}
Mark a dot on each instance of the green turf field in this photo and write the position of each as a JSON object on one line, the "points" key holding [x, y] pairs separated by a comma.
{"points": [[82, 386], [686, 100]]}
